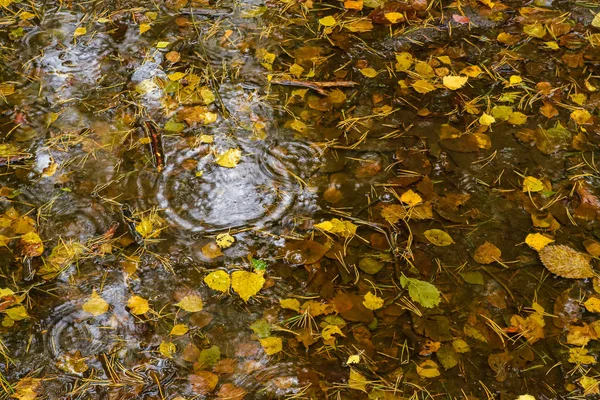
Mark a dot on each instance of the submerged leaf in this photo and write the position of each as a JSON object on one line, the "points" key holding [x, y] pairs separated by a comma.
{"points": [[422, 292], [138, 305], [95, 305], [271, 345], [566, 262], [230, 158], [191, 303], [438, 237]]}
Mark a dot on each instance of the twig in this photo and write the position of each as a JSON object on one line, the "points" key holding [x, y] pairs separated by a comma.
{"points": [[316, 86]]}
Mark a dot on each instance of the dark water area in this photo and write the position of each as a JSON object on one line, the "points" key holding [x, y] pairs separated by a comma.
{"points": [[300, 200]]}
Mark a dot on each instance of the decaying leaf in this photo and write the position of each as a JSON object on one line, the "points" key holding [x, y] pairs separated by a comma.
{"points": [[487, 253], [229, 159], [566, 262], [438, 237]]}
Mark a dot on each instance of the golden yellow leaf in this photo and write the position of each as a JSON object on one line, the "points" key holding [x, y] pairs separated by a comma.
{"points": [[230, 158], [578, 98], [394, 17], [422, 86], [535, 30], [428, 369], [328, 21], [357, 381], [372, 301], [176, 76], [329, 331], [26, 15], [472, 71], [445, 59], [404, 61], [592, 304], [218, 280], [515, 80], [145, 227], [290, 304], [298, 125], [580, 356], [144, 28], [411, 198], [537, 241], [95, 305], [454, 82], [353, 359], [487, 253], [82, 30], [368, 72], [271, 345], [296, 70], [167, 349], [338, 227], [138, 305], [596, 21], [224, 240], [191, 303], [532, 184], [178, 330], [438, 237], [517, 118], [208, 97], [486, 119], [246, 284], [32, 245], [581, 117]]}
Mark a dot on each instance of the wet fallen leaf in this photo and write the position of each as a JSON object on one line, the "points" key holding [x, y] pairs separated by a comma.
{"points": [[422, 86], [486, 119], [218, 280], [290, 304], [82, 30], [167, 349], [532, 184], [230, 158], [581, 117], [422, 292], [224, 240], [138, 305], [566, 262], [372, 301], [357, 381], [592, 304], [438, 237], [487, 253], [328, 21], [246, 284], [581, 356], [338, 227], [179, 330], [203, 382], [537, 241], [191, 303], [411, 198], [428, 369], [95, 305], [271, 345], [31, 245], [454, 82]]}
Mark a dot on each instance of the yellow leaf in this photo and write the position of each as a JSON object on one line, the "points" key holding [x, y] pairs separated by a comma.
{"points": [[394, 17], [144, 28], [162, 45], [552, 45], [191, 303], [372, 302], [517, 118], [17, 313], [298, 126], [578, 98], [138, 305], [428, 369], [422, 86], [218, 280], [230, 158], [356, 381], [592, 304], [296, 70], [328, 21], [515, 80], [445, 59], [167, 349], [337, 226], [353, 359], [290, 304], [581, 117], [368, 72], [596, 21], [178, 330], [330, 330], [486, 119], [208, 97], [472, 71], [532, 184], [82, 30], [580, 356], [207, 139], [411, 198], [535, 30], [145, 227], [95, 305], [246, 284], [271, 345], [224, 240], [454, 82], [537, 241], [5, 3], [438, 237], [176, 76], [404, 61], [26, 15], [32, 244]]}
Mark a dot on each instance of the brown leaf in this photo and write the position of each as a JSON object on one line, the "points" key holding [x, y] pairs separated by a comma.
{"points": [[487, 253], [566, 262]]}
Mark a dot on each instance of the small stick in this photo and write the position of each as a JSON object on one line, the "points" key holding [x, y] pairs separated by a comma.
{"points": [[155, 145], [316, 86]]}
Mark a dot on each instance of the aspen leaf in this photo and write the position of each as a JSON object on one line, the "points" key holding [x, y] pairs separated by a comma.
{"points": [[454, 82], [537, 241], [32, 245], [596, 21], [535, 30], [422, 292], [517, 118], [329, 331], [218, 280], [580, 356], [532, 184], [144, 28], [438, 237], [296, 70], [404, 61], [298, 126], [290, 304], [246, 284], [592, 304], [17, 313], [411, 198], [368, 72], [357, 381], [581, 117], [328, 21], [138, 305], [338, 227], [178, 330], [353, 359], [428, 369], [191, 303], [372, 302], [271, 345], [224, 240], [472, 71], [486, 119], [230, 158], [95, 305], [176, 76], [167, 349], [394, 17], [515, 80], [82, 30], [487, 253], [422, 86]]}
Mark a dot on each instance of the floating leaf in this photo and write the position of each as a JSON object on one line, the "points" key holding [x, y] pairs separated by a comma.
{"points": [[290, 304], [537, 241], [357, 381], [31, 244], [422, 292], [438, 237], [422, 86], [454, 82], [404, 61], [368, 72], [82, 30], [271, 345], [218, 280], [17, 313], [581, 117], [167, 349], [202, 382], [329, 331], [580, 356], [328, 21], [95, 305], [338, 227], [178, 330], [372, 302], [566, 262], [176, 76], [144, 28], [596, 20], [246, 284], [428, 369], [487, 253], [230, 158], [210, 357], [394, 17], [411, 198], [224, 240], [191, 303], [486, 119], [472, 71], [138, 305], [535, 30], [532, 184]]}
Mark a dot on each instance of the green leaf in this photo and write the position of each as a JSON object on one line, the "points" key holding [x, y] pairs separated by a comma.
{"points": [[422, 292], [174, 126], [259, 265], [210, 356], [261, 328]]}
